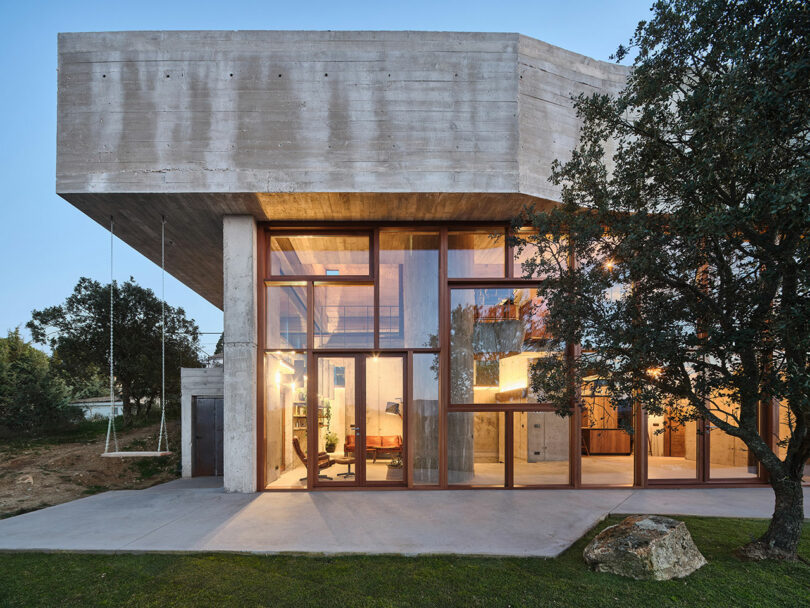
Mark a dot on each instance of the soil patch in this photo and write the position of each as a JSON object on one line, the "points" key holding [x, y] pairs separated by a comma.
{"points": [[45, 475]]}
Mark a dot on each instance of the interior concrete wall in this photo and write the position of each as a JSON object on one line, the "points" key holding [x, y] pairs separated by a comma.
{"points": [[240, 351], [195, 382]]}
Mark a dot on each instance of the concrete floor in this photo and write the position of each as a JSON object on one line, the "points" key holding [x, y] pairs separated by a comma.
{"points": [[197, 515]]}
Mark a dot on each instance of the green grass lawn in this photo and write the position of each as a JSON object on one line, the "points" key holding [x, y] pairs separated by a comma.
{"points": [[291, 580]]}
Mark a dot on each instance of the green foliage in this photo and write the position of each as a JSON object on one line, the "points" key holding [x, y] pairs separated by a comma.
{"points": [[32, 397], [696, 299], [76, 579], [78, 333]]}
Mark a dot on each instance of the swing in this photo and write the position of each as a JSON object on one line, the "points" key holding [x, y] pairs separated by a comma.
{"points": [[163, 434]]}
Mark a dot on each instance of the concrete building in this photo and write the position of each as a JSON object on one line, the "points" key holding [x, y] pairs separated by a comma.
{"points": [[335, 193]]}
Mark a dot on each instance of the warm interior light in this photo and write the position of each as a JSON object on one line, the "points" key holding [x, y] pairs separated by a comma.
{"points": [[292, 385], [655, 372], [278, 378], [609, 265]]}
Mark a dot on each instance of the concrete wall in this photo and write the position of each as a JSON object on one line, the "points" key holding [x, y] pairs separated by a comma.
{"points": [[195, 382], [241, 274], [308, 126]]}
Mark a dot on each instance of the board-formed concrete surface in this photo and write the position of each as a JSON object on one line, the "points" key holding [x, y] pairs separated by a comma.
{"points": [[195, 514]]}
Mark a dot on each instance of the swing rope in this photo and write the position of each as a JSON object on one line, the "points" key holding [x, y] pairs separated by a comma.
{"points": [[111, 421], [163, 431], [163, 434]]}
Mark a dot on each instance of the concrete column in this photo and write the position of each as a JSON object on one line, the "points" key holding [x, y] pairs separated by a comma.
{"points": [[240, 307]]}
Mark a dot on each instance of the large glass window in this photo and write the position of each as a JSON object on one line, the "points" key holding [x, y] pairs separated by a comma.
{"points": [[476, 254], [285, 419], [495, 334], [608, 440], [286, 323], [522, 268], [672, 445], [409, 289], [541, 449], [729, 457], [423, 419], [319, 255], [476, 443], [344, 316]]}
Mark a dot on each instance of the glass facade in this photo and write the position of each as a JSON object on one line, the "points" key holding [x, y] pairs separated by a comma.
{"points": [[419, 343]]}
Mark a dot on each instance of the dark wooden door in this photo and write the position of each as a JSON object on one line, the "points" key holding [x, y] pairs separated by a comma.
{"points": [[207, 451]]}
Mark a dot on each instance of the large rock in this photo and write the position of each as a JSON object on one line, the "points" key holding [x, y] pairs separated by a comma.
{"points": [[645, 547]]}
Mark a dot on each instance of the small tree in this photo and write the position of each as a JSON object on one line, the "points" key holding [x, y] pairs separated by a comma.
{"points": [[32, 397], [78, 332], [701, 217]]}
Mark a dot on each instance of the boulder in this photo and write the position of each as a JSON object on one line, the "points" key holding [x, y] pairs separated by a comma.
{"points": [[645, 547]]}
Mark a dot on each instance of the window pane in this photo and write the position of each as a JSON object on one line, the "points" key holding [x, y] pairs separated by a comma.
{"points": [[286, 316], [424, 419], [729, 457], [321, 255], [409, 289], [336, 417], [475, 254], [475, 448], [495, 334], [607, 438], [559, 256], [344, 316], [541, 449], [385, 410], [672, 446], [285, 419]]}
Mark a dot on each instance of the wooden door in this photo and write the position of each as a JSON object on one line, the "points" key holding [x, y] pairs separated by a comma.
{"points": [[207, 439]]}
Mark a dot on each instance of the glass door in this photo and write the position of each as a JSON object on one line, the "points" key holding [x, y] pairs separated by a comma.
{"points": [[340, 433], [361, 420], [385, 420]]}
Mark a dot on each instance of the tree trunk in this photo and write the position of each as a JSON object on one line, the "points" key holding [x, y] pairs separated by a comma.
{"points": [[781, 539], [126, 407]]}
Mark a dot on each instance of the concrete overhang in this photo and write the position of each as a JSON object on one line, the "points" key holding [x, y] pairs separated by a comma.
{"points": [[292, 126]]}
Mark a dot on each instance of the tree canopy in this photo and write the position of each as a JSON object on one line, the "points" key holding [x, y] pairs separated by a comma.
{"points": [[686, 211], [78, 332], [32, 397]]}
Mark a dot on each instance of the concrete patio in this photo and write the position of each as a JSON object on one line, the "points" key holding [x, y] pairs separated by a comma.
{"points": [[197, 515]]}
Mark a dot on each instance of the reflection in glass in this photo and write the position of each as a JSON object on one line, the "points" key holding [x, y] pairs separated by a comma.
{"points": [[475, 254], [285, 419], [495, 334], [607, 436], [286, 323], [672, 449], [424, 419], [787, 421], [337, 430], [409, 289], [344, 316], [476, 448], [541, 449], [559, 257], [385, 411], [729, 457], [319, 255]]}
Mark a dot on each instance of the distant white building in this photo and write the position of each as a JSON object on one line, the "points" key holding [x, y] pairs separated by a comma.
{"points": [[97, 407]]}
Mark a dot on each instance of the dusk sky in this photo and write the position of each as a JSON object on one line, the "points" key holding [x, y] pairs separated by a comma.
{"points": [[46, 244]]}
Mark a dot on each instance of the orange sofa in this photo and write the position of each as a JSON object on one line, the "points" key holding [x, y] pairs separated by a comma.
{"points": [[376, 445]]}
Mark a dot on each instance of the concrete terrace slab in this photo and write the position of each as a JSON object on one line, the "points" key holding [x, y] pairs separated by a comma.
{"points": [[197, 515]]}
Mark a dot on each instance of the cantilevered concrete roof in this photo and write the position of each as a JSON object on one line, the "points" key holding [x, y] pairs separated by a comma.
{"points": [[308, 126]]}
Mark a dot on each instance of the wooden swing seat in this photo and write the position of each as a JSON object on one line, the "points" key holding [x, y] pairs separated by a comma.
{"points": [[134, 454]]}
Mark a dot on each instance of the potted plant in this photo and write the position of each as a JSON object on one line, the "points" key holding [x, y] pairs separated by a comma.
{"points": [[330, 441], [394, 469]]}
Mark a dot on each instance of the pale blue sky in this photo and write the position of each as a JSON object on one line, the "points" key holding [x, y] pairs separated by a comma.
{"points": [[46, 244]]}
